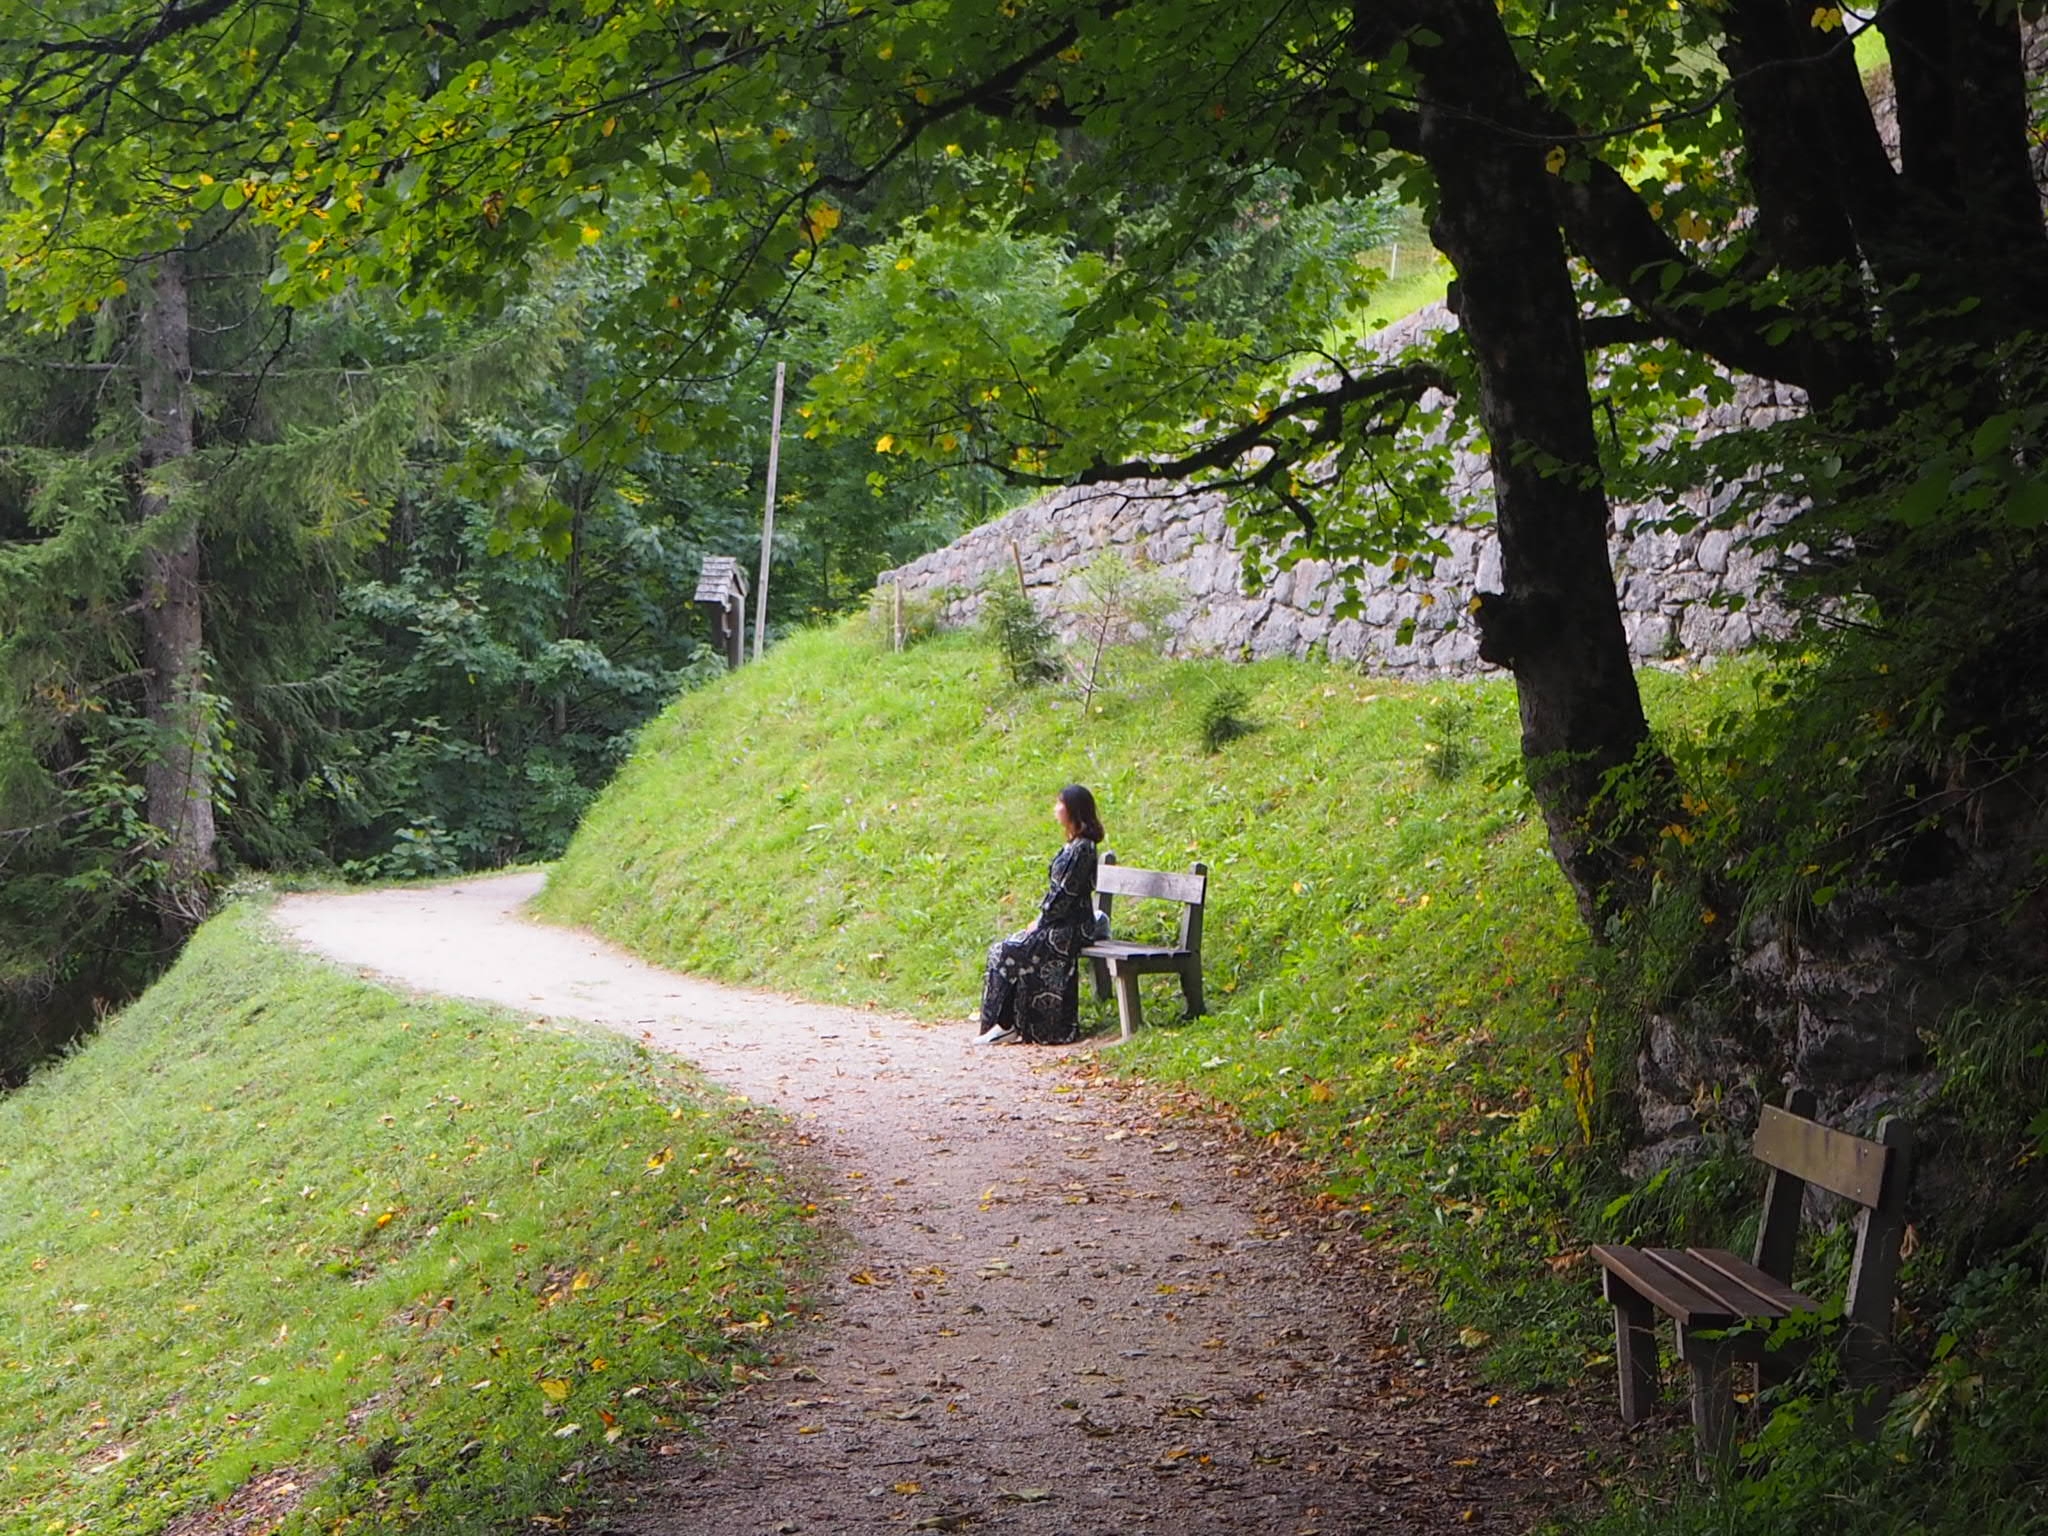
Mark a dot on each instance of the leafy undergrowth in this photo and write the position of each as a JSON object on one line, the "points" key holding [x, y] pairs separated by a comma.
{"points": [[424, 1264], [1398, 983]]}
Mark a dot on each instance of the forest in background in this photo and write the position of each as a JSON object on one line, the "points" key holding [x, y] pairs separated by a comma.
{"points": [[436, 615]]}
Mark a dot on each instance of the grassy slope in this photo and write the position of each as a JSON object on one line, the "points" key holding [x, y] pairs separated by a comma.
{"points": [[273, 1216], [1396, 972]]}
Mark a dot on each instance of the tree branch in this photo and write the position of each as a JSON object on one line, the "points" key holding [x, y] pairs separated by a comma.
{"points": [[1410, 381]]}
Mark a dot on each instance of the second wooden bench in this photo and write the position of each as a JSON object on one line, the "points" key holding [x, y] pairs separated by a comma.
{"points": [[1118, 964], [1713, 1297]]}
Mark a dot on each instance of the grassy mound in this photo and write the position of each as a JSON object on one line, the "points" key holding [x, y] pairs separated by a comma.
{"points": [[1399, 984], [1400, 990], [400, 1262]]}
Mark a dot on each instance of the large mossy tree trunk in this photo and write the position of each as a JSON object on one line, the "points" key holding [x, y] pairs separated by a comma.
{"points": [[178, 776], [1557, 623]]}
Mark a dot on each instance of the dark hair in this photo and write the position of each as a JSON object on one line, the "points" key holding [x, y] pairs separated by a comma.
{"points": [[1081, 806]]}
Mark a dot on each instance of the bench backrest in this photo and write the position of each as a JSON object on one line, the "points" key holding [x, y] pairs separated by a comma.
{"points": [[1846, 1165], [1191, 890], [1874, 1175]]}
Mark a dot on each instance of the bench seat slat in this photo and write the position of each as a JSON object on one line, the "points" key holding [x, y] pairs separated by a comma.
{"points": [[1754, 1280], [1104, 949], [1666, 1290], [1737, 1298]]}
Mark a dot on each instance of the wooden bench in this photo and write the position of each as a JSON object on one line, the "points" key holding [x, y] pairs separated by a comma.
{"points": [[1710, 1294], [1118, 964]]}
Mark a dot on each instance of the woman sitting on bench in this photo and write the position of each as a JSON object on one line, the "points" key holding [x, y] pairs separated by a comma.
{"points": [[1032, 993]]}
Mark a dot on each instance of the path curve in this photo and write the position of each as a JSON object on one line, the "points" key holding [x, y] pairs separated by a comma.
{"points": [[1073, 1315]]}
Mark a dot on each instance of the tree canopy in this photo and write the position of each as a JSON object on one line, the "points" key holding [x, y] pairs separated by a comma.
{"points": [[1633, 199]]}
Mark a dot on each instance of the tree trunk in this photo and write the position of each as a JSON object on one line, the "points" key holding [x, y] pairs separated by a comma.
{"points": [[178, 778], [1558, 623]]}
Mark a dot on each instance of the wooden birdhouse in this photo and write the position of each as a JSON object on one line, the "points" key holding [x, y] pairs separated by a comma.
{"points": [[722, 594]]}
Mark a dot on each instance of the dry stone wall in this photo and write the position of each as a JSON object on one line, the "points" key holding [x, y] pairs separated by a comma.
{"points": [[1668, 582]]}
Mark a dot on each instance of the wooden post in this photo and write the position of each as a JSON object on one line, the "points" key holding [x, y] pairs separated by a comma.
{"points": [[896, 603], [1635, 1348], [1017, 558], [768, 517], [1713, 1401], [1777, 1240], [1867, 1361]]}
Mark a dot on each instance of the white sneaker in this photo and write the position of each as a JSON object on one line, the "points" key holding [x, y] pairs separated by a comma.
{"points": [[995, 1034]]}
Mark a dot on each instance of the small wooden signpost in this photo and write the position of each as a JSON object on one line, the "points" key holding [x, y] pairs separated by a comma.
{"points": [[722, 594]]}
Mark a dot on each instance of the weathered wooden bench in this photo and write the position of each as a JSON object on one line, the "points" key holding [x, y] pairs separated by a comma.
{"points": [[1118, 964], [1711, 1295]]}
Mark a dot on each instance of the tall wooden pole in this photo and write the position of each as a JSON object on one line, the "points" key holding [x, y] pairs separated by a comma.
{"points": [[768, 518]]}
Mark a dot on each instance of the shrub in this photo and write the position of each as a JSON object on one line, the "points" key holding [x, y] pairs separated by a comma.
{"points": [[1022, 635], [1221, 717], [919, 615], [1447, 746], [1121, 603]]}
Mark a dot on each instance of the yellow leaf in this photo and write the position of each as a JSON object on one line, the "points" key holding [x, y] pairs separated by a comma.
{"points": [[584, 1280], [885, 443], [385, 1219], [904, 263], [610, 126], [909, 1488], [1554, 161], [1321, 1093], [592, 234], [554, 1389]]}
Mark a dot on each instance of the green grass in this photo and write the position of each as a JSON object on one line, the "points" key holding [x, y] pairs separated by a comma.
{"points": [[1396, 971], [431, 1257]]}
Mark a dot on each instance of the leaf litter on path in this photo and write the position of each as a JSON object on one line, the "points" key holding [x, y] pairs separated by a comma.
{"points": [[1065, 1312]]}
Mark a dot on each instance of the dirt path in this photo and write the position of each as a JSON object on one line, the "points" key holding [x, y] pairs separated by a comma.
{"points": [[1059, 1312]]}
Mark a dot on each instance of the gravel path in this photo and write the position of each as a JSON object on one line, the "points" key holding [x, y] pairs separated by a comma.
{"points": [[1061, 1307]]}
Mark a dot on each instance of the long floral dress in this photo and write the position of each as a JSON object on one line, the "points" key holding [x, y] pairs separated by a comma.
{"points": [[1033, 985]]}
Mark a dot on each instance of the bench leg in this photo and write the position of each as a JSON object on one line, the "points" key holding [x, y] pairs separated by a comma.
{"points": [[1713, 1400], [1100, 968], [1128, 1014], [1191, 988], [1635, 1354]]}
